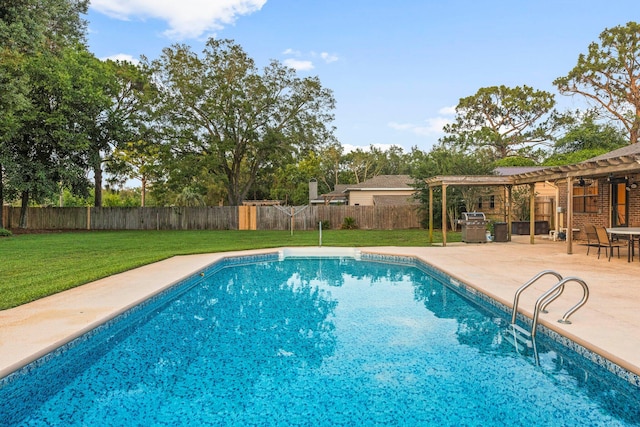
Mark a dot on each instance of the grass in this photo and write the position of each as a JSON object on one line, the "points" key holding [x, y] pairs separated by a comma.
{"points": [[33, 266]]}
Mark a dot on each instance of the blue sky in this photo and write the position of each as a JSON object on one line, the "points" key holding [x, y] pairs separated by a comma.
{"points": [[397, 68]]}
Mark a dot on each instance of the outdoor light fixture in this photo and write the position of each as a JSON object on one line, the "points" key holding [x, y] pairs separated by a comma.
{"points": [[581, 183]]}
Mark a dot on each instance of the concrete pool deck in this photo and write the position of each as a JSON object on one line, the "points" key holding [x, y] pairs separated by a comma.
{"points": [[609, 324]]}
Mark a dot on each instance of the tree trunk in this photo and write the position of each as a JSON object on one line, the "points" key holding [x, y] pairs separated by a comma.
{"points": [[23, 209], [97, 188], [635, 128], [143, 191]]}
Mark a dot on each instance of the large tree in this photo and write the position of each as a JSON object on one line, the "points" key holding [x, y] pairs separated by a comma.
{"points": [[220, 108], [502, 122], [135, 160], [118, 119], [50, 147], [609, 76], [586, 138], [32, 33]]}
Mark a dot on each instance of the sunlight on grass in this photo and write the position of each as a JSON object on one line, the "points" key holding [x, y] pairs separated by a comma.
{"points": [[37, 265]]}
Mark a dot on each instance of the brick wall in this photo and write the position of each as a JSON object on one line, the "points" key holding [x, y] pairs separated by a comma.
{"points": [[601, 218]]}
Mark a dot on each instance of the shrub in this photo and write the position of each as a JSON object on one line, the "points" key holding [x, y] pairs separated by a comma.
{"points": [[4, 232], [349, 223], [326, 224]]}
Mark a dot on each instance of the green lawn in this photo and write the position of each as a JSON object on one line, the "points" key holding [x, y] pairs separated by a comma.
{"points": [[36, 265]]}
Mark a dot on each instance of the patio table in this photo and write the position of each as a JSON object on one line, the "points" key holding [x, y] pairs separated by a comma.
{"points": [[631, 232]]}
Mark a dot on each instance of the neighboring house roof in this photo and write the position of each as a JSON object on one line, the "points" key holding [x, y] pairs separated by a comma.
{"points": [[394, 200], [338, 190], [336, 196], [383, 182]]}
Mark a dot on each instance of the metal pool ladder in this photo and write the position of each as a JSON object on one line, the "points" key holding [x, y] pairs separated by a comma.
{"points": [[547, 298]]}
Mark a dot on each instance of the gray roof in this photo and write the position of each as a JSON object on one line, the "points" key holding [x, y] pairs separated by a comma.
{"points": [[338, 190], [336, 196], [380, 182]]}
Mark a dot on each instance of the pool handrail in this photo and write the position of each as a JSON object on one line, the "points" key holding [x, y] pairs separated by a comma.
{"points": [[548, 296], [531, 281]]}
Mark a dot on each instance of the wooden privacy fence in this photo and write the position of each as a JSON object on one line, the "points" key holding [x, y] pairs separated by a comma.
{"points": [[215, 218]]}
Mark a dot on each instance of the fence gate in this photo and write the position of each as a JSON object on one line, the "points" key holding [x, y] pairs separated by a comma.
{"points": [[247, 218]]}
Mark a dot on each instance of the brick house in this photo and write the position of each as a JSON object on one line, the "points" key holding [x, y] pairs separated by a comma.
{"points": [[604, 191]]}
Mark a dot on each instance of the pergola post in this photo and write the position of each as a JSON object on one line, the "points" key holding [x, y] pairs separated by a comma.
{"points": [[569, 215], [532, 213], [508, 211], [444, 214], [430, 215]]}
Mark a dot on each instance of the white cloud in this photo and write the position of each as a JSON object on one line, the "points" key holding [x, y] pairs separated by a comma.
{"points": [[430, 127], [298, 65], [304, 64], [328, 58], [447, 111], [122, 57], [401, 126], [186, 18]]}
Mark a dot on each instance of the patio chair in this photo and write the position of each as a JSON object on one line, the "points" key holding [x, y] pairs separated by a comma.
{"points": [[592, 238], [634, 241], [605, 242]]}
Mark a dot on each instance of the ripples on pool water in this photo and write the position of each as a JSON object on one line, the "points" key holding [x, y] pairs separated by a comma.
{"points": [[315, 342]]}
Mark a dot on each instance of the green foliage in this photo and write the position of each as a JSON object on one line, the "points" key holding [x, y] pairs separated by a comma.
{"points": [[609, 75], [38, 120], [190, 197], [501, 121], [125, 198], [326, 224], [449, 159], [124, 89], [514, 161], [589, 134], [291, 182], [571, 158], [585, 138], [5, 233], [520, 203], [70, 200], [135, 160], [236, 121], [349, 223]]}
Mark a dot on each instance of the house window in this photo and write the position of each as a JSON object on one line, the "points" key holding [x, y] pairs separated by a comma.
{"points": [[492, 202], [479, 203], [585, 198]]}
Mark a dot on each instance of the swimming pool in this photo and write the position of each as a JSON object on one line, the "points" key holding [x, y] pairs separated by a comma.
{"points": [[262, 341]]}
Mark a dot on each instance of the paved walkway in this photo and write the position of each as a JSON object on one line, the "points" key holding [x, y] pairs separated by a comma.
{"points": [[608, 324]]}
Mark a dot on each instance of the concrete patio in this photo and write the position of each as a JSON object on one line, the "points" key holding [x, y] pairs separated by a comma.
{"points": [[608, 324]]}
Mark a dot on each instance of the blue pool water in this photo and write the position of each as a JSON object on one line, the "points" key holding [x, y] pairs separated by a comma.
{"points": [[314, 342]]}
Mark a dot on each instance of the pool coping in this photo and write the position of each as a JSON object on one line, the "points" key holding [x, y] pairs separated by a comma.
{"points": [[30, 331]]}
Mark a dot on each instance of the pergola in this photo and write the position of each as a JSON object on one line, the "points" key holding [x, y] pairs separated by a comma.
{"points": [[616, 163]]}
